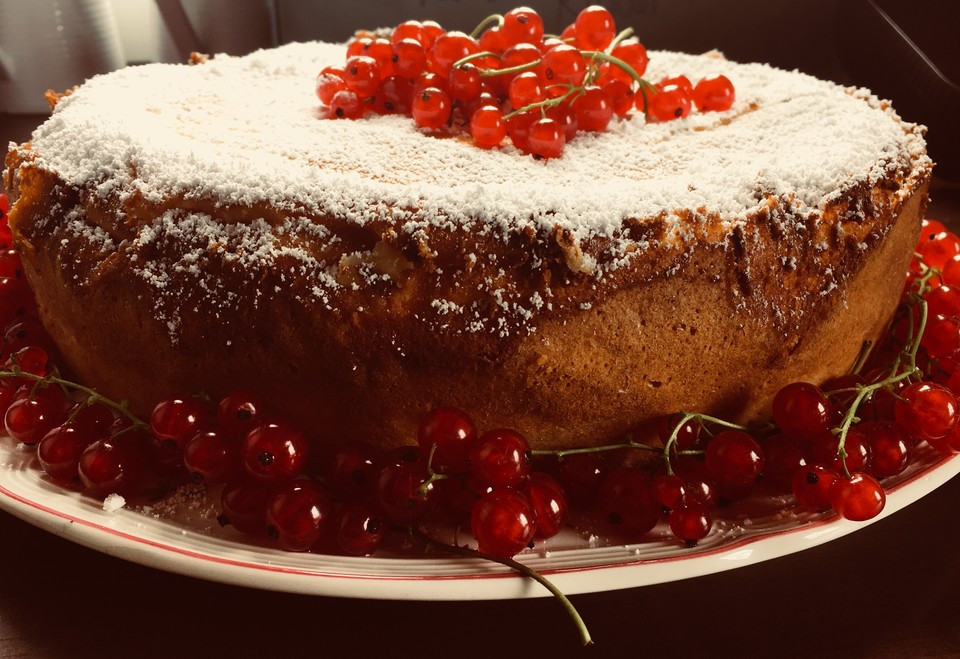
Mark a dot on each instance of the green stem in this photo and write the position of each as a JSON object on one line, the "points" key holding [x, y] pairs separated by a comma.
{"points": [[519, 68], [617, 39], [543, 105], [492, 18], [432, 476], [525, 570], [469, 58]]}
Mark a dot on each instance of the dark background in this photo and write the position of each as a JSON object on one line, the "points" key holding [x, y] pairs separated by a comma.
{"points": [[888, 590]]}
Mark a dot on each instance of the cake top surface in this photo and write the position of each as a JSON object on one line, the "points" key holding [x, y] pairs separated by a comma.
{"points": [[247, 130]]}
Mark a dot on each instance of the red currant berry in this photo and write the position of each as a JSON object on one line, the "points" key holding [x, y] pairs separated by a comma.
{"points": [[328, 84], [31, 359], [581, 476], [518, 55], [943, 301], [298, 514], [28, 419], [492, 40], [24, 332], [500, 458], [801, 410], [394, 96], [381, 50], [351, 472], [526, 88], [625, 503], [670, 491], [450, 48], [464, 82], [927, 411], [951, 271], [522, 25], [939, 249], [594, 109], [487, 127], [564, 65], [930, 229], [60, 449], [857, 498], [212, 456], [362, 75], [399, 492], [431, 108], [10, 264], [358, 46], [412, 30], [409, 59], [595, 28], [239, 412], [549, 504], [274, 452], [346, 104], [691, 522], [890, 448], [824, 449], [109, 466], [565, 116], [734, 458], [93, 419], [16, 300], [714, 94], [452, 432], [633, 53], [941, 339], [431, 32], [546, 139], [504, 522], [811, 486], [177, 419], [518, 127], [687, 436], [672, 102], [782, 458], [359, 529], [243, 506]]}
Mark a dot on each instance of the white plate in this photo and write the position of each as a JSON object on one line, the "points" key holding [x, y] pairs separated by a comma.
{"points": [[190, 542]]}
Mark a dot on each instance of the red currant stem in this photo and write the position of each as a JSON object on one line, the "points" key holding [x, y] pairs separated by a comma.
{"points": [[863, 392], [485, 23], [519, 68], [543, 105], [121, 407], [626, 32], [684, 418], [629, 70], [525, 570], [469, 58], [560, 454], [862, 357], [433, 476]]}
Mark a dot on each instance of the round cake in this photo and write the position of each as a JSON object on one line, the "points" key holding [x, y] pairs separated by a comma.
{"points": [[203, 228]]}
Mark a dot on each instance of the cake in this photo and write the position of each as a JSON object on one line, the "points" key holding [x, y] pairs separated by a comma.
{"points": [[201, 228]]}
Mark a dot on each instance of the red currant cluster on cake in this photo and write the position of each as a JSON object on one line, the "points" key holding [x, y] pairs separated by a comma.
{"points": [[508, 79], [830, 446]]}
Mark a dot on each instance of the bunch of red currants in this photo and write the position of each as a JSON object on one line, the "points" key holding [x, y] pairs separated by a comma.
{"points": [[508, 78]]}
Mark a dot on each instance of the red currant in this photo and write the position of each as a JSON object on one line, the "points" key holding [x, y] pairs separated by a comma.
{"points": [[431, 108], [595, 28], [450, 48], [714, 94], [298, 514], [351, 472], [691, 522], [28, 419], [939, 249], [782, 458], [399, 492], [522, 25], [669, 491], [10, 264], [526, 88], [734, 458], [594, 109], [546, 139], [857, 498], [811, 486], [362, 75], [500, 458], [625, 503], [564, 65], [274, 452], [452, 432], [60, 449], [927, 411], [346, 104], [464, 82], [328, 84], [549, 504], [824, 449], [359, 529], [243, 506], [394, 96], [24, 332], [581, 476], [504, 522], [431, 32], [212, 456], [409, 58], [633, 53], [109, 466], [801, 410], [412, 30], [239, 412], [672, 102], [565, 116], [890, 448], [487, 127]]}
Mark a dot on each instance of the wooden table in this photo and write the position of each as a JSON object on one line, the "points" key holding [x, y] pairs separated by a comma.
{"points": [[888, 590]]}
